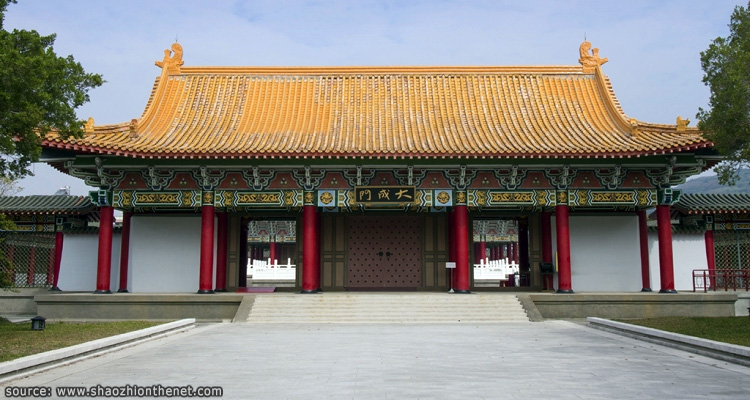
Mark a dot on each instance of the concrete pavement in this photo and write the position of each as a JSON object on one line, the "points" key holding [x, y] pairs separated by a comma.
{"points": [[551, 359]]}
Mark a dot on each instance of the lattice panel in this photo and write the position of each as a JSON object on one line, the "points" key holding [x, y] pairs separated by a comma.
{"points": [[732, 249], [384, 252], [26, 259]]}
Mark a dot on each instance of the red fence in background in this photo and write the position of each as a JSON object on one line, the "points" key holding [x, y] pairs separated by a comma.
{"points": [[726, 279]]}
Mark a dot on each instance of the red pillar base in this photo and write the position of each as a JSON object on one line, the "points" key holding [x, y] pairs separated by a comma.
{"points": [[646, 290]]}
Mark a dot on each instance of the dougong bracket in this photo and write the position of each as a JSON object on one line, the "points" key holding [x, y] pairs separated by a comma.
{"points": [[107, 180], [308, 179]]}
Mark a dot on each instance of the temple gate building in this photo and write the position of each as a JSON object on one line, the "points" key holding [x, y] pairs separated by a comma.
{"points": [[384, 178]]}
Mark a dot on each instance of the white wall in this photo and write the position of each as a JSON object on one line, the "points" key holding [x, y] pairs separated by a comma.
{"points": [[165, 253], [688, 252], [79, 259], [604, 253]]}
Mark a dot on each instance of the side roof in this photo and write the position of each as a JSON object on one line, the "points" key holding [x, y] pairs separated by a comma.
{"points": [[40, 204], [713, 203], [410, 112]]}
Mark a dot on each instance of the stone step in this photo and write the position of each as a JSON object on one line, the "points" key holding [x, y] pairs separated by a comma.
{"points": [[381, 308]]}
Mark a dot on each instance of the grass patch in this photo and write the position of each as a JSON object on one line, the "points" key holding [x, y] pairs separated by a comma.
{"points": [[18, 340], [734, 330]]}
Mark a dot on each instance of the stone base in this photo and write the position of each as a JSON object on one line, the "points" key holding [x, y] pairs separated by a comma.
{"points": [[634, 305], [19, 301], [131, 306], [742, 307]]}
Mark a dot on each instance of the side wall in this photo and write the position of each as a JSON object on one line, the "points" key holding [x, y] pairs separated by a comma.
{"points": [[604, 253], [165, 253], [688, 252], [78, 264]]}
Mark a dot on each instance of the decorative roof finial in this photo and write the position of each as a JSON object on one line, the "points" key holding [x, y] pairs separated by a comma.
{"points": [[682, 124], [172, 59], [634, 131], [590, 61], [133, 128], [88, 126]]}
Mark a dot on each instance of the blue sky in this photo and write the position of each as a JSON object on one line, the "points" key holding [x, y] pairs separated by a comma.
{"points": [[653, 46]]}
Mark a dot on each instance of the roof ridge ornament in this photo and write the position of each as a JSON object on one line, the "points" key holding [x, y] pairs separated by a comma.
{"points": [[133, 128], [88, 126], [682, 124], [590, 61], [634, 131], [172, 59]]}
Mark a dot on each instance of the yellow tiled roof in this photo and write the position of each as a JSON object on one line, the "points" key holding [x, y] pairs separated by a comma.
{"points": [[383, 112]]}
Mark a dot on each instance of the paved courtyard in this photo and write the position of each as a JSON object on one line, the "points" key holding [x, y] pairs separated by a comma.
{"points": [[553, 359]]}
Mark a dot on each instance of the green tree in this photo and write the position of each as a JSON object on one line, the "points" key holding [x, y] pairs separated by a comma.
{"points": [[39, 92], [726, 67]]}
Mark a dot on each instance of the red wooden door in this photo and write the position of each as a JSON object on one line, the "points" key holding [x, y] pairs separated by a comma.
{"points": [[384, 252]]}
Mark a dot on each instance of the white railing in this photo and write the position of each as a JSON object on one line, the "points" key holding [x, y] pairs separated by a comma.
{"points": [[495, 270], [271, 270]]}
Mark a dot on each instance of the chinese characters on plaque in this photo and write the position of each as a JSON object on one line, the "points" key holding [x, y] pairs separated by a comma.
{"points": [[385, 194]]}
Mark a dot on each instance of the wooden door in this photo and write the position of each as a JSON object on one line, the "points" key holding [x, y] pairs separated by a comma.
{"points": [[384, 252]]}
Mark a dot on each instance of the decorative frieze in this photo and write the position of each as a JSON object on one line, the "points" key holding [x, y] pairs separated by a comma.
{"points": [[537, 199]]}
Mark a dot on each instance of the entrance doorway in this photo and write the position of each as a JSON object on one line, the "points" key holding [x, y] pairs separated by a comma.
{"points": [[271, 252], [500, 249], [384, 252]]}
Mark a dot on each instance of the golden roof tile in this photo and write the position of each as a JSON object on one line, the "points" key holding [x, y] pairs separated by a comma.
{"points": [[554, 111]]}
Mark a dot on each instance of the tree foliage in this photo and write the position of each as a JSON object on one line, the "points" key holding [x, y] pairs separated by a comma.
{"points": [[39, 92], [726, 67]]}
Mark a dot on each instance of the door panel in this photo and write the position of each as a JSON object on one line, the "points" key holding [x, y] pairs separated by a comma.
{"points": [[384, 252]]}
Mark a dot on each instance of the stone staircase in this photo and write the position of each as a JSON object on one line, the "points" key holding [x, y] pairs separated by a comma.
{"points": [[359, 307]]}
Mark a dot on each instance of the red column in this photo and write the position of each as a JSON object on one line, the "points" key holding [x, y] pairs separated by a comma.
{"points": [[310, 268], [58, 259], [645, 267], [124, 251], [515, 250], [32, 260], [104, 262], [709, 239], [666, 265], [563, 249], [272, 253], [461, 284], [221, 252], [710, 257], [317, 250], [482, 251], [207, 250]]}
